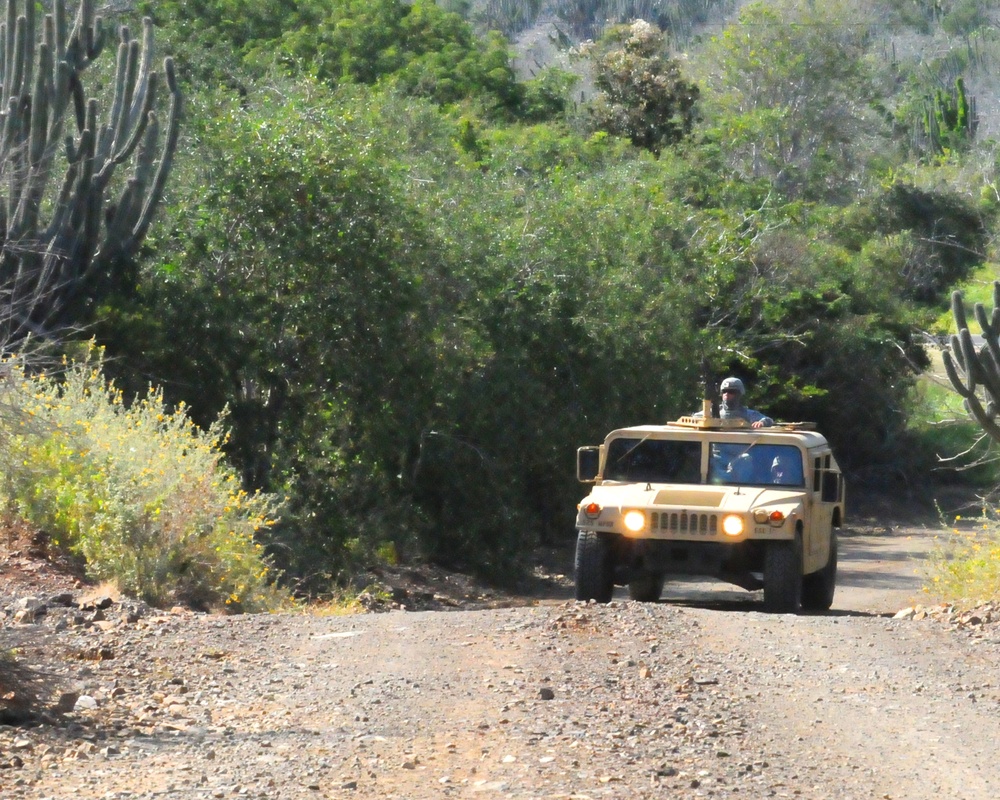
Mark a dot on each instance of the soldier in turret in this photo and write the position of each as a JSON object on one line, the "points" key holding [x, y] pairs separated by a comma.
{"points": [[732, 407]]}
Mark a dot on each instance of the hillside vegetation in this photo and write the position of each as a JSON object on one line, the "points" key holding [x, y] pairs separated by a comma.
{"points": [[417, 271]]}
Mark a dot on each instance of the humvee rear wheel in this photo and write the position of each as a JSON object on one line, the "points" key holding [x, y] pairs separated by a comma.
{"points": [[594, 567], [783, 576], [818, 588], [646, 588]]}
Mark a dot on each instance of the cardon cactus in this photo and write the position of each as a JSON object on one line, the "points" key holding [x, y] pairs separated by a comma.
{"points": [[975, 374], [67, 245]]}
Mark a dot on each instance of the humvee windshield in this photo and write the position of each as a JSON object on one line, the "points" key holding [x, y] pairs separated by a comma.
{"points": [[760, 464], [646, 460], [653, 461]]}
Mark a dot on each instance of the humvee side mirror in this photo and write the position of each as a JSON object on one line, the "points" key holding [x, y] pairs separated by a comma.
{"points": [[588, 464]]}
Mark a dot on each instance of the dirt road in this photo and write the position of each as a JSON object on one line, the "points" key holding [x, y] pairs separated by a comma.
{"points": [[699, 695]]}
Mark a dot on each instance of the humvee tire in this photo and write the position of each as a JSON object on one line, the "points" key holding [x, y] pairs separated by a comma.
{"points": [[594, 569], [783, 576], [818, 588], [646, 588]]}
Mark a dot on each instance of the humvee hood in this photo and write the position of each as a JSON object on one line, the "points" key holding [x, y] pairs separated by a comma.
{"points": [[720, 498]]}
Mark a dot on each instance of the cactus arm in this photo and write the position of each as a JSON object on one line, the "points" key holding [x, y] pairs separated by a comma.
{"points": [[128, 52], [996, 307], [166, 157], [121, 153], [975, 375], [140, 104], [7, 134], [79, 101], [60, 94], [7, 150], [974, 364], [10, 28], [973, 369], [986, 421], [86, 39], [59, 32], [991, 363], [38, 136], [139, 107], [14, 78], [958, 310], [106, 132], [954, 376], [29, 45]]}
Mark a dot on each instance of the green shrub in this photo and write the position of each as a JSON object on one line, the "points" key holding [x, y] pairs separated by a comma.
{"points": [[136, 490]]}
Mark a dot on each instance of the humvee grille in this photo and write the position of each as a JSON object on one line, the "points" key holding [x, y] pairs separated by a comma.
{"points": [[683, 522]]}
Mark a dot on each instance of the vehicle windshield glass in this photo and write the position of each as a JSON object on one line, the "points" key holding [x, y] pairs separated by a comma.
{"points": [[758, 465], [653, 461]]}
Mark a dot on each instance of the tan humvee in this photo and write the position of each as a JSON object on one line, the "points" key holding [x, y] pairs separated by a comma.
{"points": [[756, 507]]}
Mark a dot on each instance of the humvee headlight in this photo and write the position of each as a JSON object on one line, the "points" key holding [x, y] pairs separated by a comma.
{"points": [[592, 510], [635, 521], [732, 525]]}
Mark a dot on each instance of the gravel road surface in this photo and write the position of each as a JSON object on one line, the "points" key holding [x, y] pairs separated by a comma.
{"points": [[698, 695]]}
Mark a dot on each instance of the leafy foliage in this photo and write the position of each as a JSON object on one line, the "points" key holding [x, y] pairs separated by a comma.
{"points": [[796, 95], [315, 323], [426, 50], [419, 284], [644, 96], [931, 239], [138, 492]]}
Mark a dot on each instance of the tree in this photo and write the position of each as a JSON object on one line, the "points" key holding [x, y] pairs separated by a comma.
{"points": [[921, 242], [644, 98], [303, 281], [429, 51], [66, 249], [793, 96]]}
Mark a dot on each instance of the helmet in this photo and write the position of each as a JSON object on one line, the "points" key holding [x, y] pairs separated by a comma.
{"points": [[732, 383]]}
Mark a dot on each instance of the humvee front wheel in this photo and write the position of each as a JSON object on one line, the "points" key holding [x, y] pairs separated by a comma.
{"points": [[783, 576], [646, 588], [594, 568], [818, 588]]}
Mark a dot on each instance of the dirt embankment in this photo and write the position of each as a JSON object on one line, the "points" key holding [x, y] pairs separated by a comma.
{"points": [[699, 695]]}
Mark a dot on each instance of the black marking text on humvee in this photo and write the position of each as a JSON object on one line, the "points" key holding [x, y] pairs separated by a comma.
{"points": [[755, 507]]}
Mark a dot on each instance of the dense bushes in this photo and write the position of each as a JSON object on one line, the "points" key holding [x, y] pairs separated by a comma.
{"points": [[137, 491], [415, 313]]}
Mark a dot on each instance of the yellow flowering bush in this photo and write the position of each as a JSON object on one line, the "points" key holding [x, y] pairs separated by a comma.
{"points": [[965, 567], [137, 490]]}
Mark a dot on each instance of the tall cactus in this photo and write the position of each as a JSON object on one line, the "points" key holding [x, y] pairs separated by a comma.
{"points": [[975, 374], [950, 120], [67, 246]]}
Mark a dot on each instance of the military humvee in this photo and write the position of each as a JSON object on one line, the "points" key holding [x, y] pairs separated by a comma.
{"points": [[756, 507]]}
